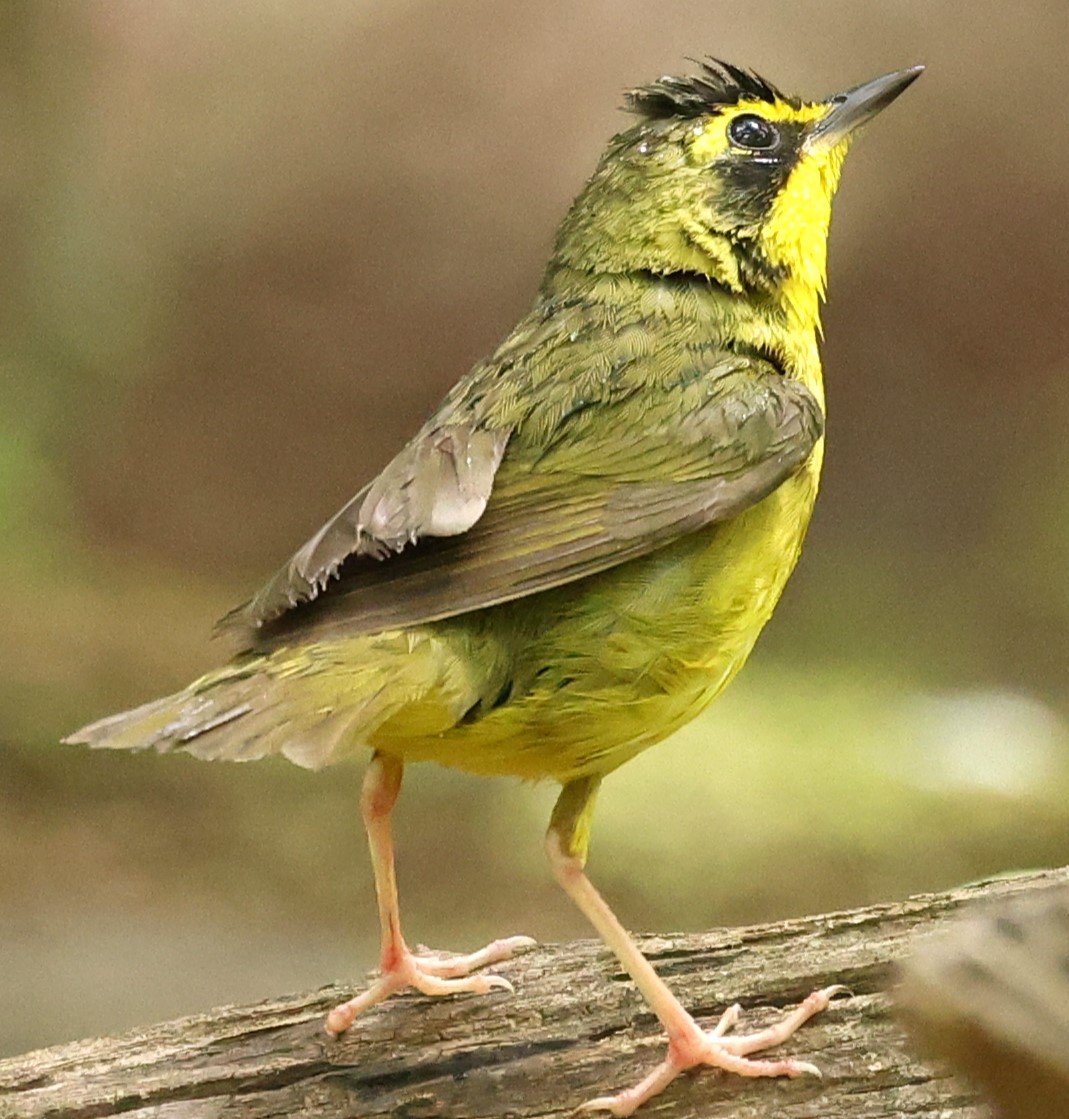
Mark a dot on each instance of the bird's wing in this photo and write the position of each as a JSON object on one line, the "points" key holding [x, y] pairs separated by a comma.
{"points": [[437, 486], [437, 534]]}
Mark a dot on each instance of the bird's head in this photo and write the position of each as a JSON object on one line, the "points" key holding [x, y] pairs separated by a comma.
{"points": [[725, 178]]}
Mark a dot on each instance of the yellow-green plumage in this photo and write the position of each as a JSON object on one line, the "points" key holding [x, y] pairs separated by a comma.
{"points": [[580, 548]]}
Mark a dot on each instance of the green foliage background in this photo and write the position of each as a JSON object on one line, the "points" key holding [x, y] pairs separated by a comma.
{"points": [[246, 248]]}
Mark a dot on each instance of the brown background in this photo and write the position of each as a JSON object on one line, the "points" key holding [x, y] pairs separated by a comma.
{"points": [[246, 246]]}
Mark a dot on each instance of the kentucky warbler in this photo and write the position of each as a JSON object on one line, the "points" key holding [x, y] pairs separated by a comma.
{"points": [[577, 551]]}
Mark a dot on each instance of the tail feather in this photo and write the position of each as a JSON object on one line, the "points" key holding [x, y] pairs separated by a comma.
{"points": [[204, 718], [311, 709]]}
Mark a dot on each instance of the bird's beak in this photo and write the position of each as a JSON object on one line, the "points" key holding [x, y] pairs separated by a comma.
{"points": [[850, 110]]}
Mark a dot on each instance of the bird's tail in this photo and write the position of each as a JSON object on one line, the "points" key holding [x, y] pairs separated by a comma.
{"points": [[312, 705]]}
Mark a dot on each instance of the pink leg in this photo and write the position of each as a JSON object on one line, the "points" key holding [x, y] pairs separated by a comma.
{"points": [[688, 1044], [399, 966]]}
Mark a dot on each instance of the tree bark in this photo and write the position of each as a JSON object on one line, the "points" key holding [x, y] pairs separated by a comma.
{"points": [[574, 1028]]}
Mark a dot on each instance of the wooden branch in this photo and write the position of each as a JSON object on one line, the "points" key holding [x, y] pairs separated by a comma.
{"points": [[574, 1028]]}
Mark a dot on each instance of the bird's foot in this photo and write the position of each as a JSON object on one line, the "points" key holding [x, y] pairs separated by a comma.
{"points": [[431, 973], [694, 1046]]}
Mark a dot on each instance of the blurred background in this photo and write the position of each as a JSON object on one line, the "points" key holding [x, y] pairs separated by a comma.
{"points": [[247, 246]]}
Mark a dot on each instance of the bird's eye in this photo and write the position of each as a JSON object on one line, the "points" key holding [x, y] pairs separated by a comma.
{"points": [[754, 132]]}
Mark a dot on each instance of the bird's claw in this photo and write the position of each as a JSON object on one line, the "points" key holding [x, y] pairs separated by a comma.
{"points": [[430, 974], [711, 1047]]}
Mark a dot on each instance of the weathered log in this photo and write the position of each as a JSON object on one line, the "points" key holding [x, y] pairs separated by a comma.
{"points": [[574, 1028], [990, 993]]}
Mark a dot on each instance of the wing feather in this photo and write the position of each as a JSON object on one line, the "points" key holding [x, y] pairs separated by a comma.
{"points": [[456, 524], [437, 486]]}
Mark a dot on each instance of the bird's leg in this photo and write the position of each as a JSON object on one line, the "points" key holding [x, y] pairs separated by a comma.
{"points": [[432, 974], [688, 1044]]}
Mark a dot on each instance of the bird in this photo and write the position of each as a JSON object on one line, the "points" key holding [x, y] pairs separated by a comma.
{"points": [[577, 551]]}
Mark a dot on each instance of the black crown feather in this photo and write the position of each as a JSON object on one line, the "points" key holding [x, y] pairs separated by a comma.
{"points": [[718, 84]]}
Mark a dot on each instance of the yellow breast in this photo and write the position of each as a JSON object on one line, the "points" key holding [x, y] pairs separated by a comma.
{"points": [[618, 662]]}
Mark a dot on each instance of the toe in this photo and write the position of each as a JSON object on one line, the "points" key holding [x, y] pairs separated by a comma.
{"points": [[449, 967], [470, 984], [611, 1104]]}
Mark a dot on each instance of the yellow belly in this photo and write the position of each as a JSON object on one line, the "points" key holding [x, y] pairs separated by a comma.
{"points": [[598, 671]]}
